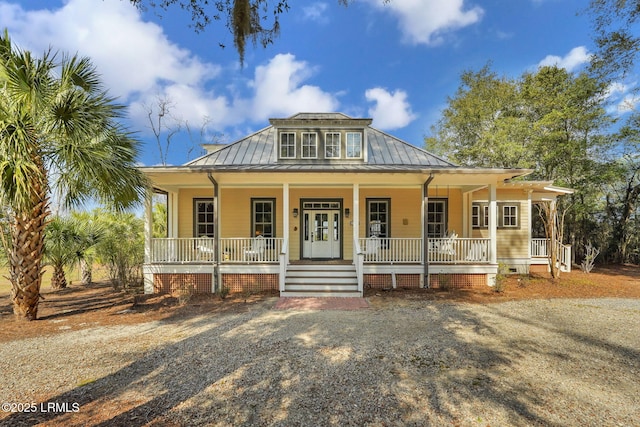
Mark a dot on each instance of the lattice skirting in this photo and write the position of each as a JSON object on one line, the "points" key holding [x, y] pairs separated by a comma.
{"points": [[457, 280], [250, 282], [198, 283], [385, 281]]}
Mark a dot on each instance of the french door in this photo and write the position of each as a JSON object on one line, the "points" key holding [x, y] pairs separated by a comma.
{"points": [[321, 234]]}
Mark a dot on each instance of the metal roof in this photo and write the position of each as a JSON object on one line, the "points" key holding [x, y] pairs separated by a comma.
{"points": [[257, 152]]}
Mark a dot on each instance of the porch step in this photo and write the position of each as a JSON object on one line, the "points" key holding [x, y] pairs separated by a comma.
{"points": [[321, 280]]}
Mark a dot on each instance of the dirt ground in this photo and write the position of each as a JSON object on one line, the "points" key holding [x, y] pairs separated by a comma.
{"points": [[80, 307]]}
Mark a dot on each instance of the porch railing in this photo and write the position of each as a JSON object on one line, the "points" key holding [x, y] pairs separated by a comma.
{"points": [[540, 249], [253, 249], [202, 249], [359, 262], [387, 250], [410, 250], [459, 250], [174, 249]]}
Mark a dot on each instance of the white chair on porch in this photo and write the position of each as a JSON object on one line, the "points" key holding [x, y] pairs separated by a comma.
{"points": [[371, 249], [477, 252], [255, 252], [447, 245], [206, 251]]}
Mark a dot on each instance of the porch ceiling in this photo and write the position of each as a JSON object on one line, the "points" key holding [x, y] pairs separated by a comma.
{"points": [[180, 177]]}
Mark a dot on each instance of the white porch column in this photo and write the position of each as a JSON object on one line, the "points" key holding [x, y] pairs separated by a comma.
{"points": [[356, 218], [172, 214], [493, 225], [148, 235], [285, 212]]}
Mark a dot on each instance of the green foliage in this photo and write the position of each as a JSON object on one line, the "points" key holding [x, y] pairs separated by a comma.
{"points": [[616, 36], [223, 292], [64, 242], [122, 248], [54, 111], [551, 121], [159, 213], [501, 278]]}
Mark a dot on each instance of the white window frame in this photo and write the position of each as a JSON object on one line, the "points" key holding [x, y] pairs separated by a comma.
{"points": [[306, 138], [509, 219], [349, 142], [326, 145], [482, 214], [289, 145], [476, 218], [204, 222], [432, 224]]}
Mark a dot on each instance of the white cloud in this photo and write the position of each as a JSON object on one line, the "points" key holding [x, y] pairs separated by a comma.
{"points": [[572, 60], [132, 55], [391, 110], [622, 98], [140, 64], [316, 12], [279, 90], [427, 21]]}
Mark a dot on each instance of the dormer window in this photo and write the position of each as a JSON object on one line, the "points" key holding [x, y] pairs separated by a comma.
{"points": [[332, 145], [354, 145], [287, 145], [309, 145]]}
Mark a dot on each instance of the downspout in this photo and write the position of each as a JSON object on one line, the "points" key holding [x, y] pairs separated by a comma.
{"points": [[425, 222], [216, 237]]}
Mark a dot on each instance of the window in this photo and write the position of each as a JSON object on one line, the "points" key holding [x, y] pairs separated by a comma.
{"points": [[480, 215], [354, 145], [475, 215], [509, 216], [436, 218], [309, 145], [332, 145], [288, 145], [204, 222], [263, 217], [378, 216]]}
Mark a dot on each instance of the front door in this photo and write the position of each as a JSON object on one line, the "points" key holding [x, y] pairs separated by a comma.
{"points": [[321, 237]]}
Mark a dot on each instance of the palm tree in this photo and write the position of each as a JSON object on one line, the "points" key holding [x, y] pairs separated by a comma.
{"points": [[64, 244], [59, 132]]}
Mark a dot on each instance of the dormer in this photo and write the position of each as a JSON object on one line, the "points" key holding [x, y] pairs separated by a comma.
{"points": [[320, 138]]}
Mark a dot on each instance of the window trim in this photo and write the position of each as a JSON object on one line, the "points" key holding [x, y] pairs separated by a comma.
{"points": [[197, 200], [339, 145], [347, 145], [280, 145], [515, 216], [315, 145], [255, 200], [484, 215], [386, 200], [445, 201]]}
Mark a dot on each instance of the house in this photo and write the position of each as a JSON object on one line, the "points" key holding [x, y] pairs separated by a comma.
{"points": [[325, 204]]}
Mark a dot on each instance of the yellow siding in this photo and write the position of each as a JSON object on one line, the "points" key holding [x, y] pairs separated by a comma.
{"points": [[406, 214], [185, 208], [235, 215], [512, 243]]}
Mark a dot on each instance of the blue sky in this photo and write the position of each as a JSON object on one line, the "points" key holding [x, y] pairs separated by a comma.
{"points": [[396, 63]]}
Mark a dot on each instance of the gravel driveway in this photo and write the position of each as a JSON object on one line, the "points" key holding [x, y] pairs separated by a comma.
{"points": [[540, 362]]}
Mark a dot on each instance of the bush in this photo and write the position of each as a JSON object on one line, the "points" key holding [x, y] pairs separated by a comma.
{"points": [[501, 278]]}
